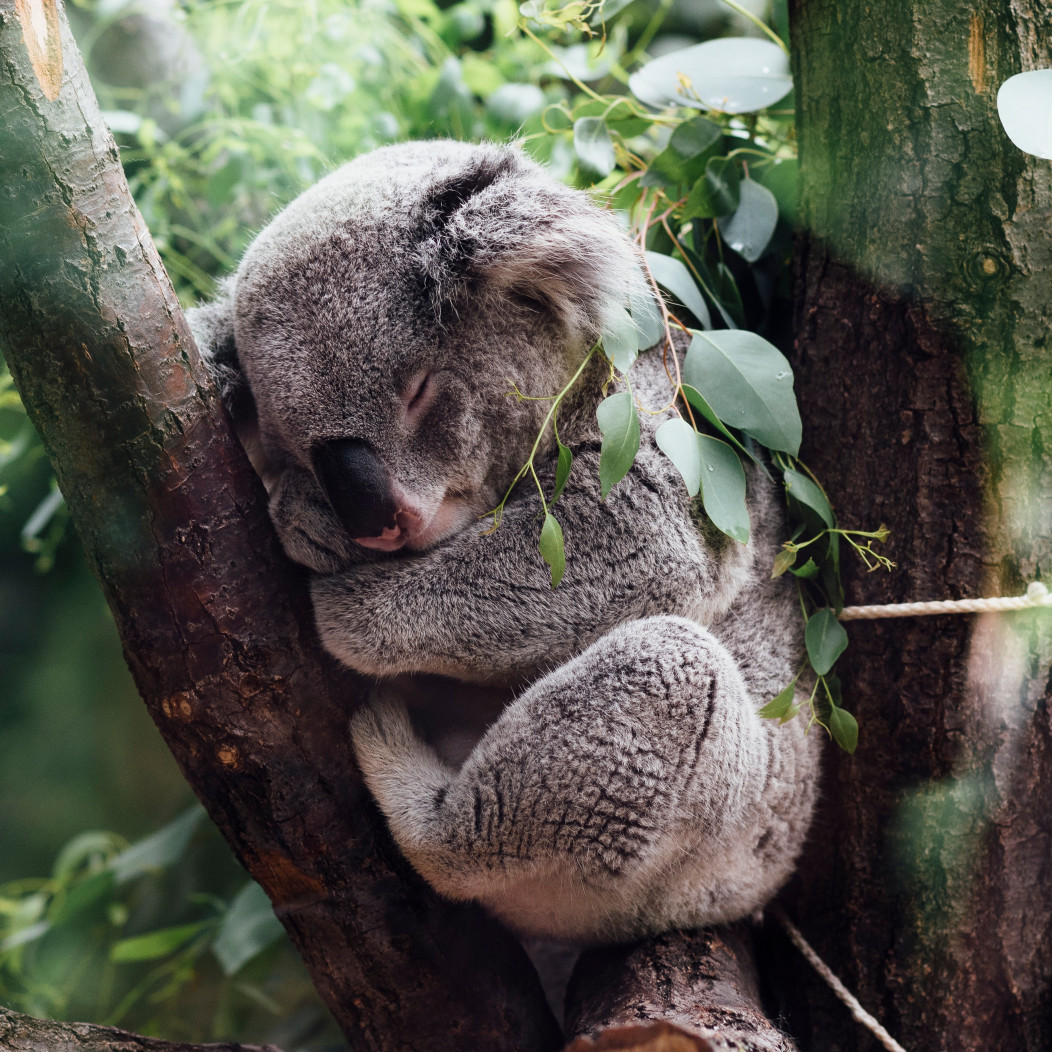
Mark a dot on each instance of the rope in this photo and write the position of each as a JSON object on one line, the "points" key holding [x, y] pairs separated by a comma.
{"points": [[1037, 595], [858, 1013]]}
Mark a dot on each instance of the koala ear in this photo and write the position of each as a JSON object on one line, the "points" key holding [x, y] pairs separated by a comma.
{"points": [[213, 327], [500, 223]]}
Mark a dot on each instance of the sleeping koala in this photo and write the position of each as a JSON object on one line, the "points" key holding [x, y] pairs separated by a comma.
{"points": [[367, 346]]}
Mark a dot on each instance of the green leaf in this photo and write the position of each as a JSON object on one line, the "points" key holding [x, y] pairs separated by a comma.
{"points": [[782, 179], [1024, 103], [749, 384], [552, 550], [562, 472], [749, 230], [809, 494], [723, 488], [155, 944], [679, 442], [825, 638], [620, 337], [82, 896], [689, 149], [160, 849], [716, 193], [594, 147], [647, 317], [782, 561], [844, 729], [730, 75], [778, 706], [673, 275], [807, 571], [620, 427], [247, 929], [698, 403]]}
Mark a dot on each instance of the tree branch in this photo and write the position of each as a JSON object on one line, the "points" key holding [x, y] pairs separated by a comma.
{"points": [[214, 619], [677, 992], [20, 1033]]}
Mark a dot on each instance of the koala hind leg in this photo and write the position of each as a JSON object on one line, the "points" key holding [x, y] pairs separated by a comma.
{"points": [[610, 799]]}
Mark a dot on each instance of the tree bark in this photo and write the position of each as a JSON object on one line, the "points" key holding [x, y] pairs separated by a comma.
{"points": [[19, 1033], [699, 988], [923, 365], [215, 622]]}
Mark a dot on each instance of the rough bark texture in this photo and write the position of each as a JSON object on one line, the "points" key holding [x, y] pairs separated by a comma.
{"points": [[19, 1033], [701, 984], [214, 620], [923, 363]]}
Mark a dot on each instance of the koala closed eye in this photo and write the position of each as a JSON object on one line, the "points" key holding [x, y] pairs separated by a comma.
{"points": [[372, 334]]}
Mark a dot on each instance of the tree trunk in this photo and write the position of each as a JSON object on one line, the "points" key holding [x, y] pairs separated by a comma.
{"points": [[923, 363], [215, 622]]}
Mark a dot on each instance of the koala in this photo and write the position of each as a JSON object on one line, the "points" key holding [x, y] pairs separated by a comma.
{"points": [[389, 346]]}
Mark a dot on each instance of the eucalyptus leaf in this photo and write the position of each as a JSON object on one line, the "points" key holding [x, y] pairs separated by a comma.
{"points": [[1024, 104], [683, 161], [825, 639], [647, 316], [155, 944], [562, 471], [723, 488], [778, 706], [697, 402], [247, 929], [679, 442], [620, 337], [844, 728], [160, 849], [749, 384], [807, 571], [717, 192], [782, 561], [749, 230], [810, 495], [619, 424], [782, 179], [730, 75], [552, 549], [593, 145], [673, 275]]}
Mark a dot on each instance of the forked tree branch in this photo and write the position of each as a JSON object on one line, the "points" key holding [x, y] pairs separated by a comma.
{"points": [[214, 619]]}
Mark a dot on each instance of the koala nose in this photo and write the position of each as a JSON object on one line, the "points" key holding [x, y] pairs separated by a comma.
{"points": [[357, 485]]}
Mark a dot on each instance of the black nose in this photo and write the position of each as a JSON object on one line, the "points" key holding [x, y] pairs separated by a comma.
{"points": [[357, 485]]}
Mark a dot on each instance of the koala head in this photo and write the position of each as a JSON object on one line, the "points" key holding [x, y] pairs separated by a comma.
{"points": [[375, 327]]}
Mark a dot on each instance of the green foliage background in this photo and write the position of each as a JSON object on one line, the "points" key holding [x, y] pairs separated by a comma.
{"points": [[224, 110]]}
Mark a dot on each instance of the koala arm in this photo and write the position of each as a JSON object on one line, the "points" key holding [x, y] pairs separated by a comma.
{"points": [[480, 605]]}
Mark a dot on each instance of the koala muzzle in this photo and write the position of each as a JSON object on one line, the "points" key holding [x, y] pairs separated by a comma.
{"points": [[358, 486]]}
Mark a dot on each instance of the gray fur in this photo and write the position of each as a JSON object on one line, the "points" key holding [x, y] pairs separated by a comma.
{"points": [[629, 786]]}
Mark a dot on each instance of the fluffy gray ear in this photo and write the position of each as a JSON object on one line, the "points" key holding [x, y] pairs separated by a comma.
{"points": [[496, 222], [212, 324]]}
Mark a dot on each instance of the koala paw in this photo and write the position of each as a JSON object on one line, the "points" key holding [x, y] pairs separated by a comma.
{"points": [[402, 772], [309, 530], [380, 731]]}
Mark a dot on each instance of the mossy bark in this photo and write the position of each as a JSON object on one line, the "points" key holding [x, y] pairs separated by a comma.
{"points": [[924, 367]]}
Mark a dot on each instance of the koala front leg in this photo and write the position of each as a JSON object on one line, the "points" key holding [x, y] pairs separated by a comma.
{"points": [[480, 606], [632, 790]]}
